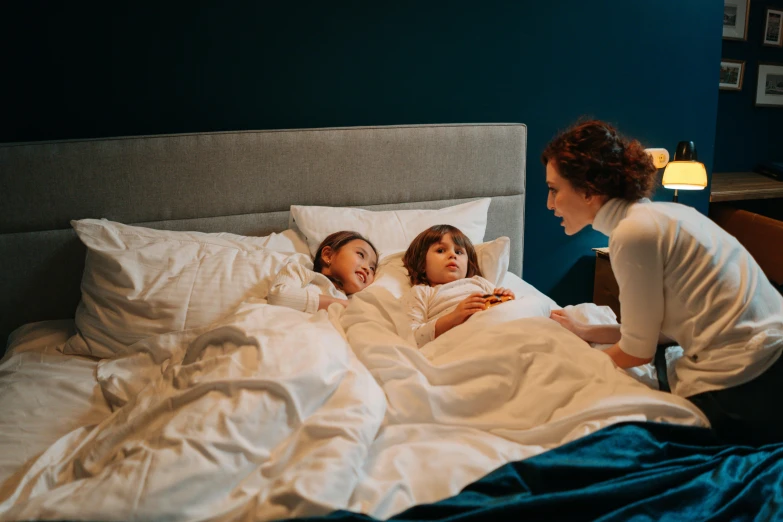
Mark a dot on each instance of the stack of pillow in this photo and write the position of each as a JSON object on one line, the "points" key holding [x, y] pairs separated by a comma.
{"points": [[140, 282], [392, 231]]}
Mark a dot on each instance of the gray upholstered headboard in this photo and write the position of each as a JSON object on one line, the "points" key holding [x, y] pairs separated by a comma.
{"points": [[241, 182]]}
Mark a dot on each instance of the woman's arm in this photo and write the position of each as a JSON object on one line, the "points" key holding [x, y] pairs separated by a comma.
{"points": [[591, 333], [601, 334], [638, 263], [622, 359], [594, 333]]}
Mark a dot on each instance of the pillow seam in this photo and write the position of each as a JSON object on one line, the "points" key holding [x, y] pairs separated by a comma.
{"points": [[199, 242]]}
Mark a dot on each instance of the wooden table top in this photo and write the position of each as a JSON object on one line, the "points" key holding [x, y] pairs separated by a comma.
{"points": [[733, 186]]}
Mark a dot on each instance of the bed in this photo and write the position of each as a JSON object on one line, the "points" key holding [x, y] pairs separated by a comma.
{"points": [[145, 377]]}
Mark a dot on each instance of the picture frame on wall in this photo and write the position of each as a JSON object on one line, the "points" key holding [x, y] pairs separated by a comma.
{"points": [[731, 74], [773, 27], [735, 19], [769, 88]]}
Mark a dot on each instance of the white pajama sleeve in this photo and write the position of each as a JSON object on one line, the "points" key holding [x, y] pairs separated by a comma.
{"points": [[637, 263], [291, 289], [417, 304]]}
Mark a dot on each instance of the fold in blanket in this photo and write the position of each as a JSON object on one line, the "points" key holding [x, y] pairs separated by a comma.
{"points": [[263, 415], [627, 471], [508, 384], [270, 413]]}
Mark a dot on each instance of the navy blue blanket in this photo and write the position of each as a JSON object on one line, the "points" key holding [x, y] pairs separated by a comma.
{"points": [[640, 471]]}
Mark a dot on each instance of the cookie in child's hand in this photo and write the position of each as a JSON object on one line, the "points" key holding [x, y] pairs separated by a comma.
{"points": [[493, 299]]}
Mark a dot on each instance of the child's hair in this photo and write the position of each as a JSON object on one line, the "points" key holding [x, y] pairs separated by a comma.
{"points": [[336, 241], [415, 258]]}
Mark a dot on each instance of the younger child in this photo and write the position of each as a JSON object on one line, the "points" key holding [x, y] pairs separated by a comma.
{"points": [[448, 284], [344, 264]]}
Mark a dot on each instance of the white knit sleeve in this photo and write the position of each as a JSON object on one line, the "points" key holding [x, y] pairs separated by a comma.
{"points": [[292, 289], [417, 303], [637, 262]]}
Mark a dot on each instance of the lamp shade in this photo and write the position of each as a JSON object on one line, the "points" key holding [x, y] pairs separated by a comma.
{"points": [[685, 172], [686, 151], [685, 175]]}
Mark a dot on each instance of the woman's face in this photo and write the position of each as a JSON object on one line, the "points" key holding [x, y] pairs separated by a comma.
{"points": [[575, 208]]}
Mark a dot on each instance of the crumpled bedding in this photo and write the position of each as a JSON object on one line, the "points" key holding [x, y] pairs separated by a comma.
{"points": [[508, 384], [270, 413], [244, 419], [43, 393]]}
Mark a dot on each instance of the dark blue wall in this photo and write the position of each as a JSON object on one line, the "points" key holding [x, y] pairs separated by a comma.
{"points": [[648, 66], [747, 135]]}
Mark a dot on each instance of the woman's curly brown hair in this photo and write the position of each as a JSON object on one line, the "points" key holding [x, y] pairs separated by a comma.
{"points": [[595, 159], [415, 258]]}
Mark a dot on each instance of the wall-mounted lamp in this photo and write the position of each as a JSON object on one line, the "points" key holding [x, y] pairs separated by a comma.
{"points": [[685, 172]]}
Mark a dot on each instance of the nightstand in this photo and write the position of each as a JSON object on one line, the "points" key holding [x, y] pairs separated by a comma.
{"points": [[605, 289]]}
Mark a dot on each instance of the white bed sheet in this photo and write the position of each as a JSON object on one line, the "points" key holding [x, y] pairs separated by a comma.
{"points": [[593, 314], [43, 393], [265, 414], [270, 413], [508, 384]]}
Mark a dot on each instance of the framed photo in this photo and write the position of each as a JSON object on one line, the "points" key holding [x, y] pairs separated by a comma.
{"points": [[769, 89], [731, 73], [772, 27], [735, 19]]}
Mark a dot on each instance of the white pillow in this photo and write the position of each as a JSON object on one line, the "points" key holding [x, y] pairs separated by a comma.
{"points": [[390, 231], [522, 288], [139, 282], [288, 241], [493, 257]]}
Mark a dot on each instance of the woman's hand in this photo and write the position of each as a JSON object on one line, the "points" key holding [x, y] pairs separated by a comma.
{"points": [[569, 323], [504, 291], [469, 306]]}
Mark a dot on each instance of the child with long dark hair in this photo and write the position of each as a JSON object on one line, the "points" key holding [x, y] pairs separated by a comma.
{"points": [[345, 263], [448, 284]]}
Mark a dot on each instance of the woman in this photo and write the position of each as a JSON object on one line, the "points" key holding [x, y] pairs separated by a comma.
{"points": [[680, 277]]}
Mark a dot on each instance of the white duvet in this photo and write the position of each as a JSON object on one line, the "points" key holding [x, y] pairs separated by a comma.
{"points": [[271, 413]]}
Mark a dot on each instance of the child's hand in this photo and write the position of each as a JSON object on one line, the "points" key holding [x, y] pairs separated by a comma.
{"points": [[325, 300], [567, 322], [472, 304], [504, 291], [498, 296]]}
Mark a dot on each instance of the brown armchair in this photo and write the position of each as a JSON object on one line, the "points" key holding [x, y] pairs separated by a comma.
{"points": [[761, 235]]}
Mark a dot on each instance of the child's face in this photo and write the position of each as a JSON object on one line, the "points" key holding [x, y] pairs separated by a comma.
{"points": [[446, 262], [353, 265]]}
